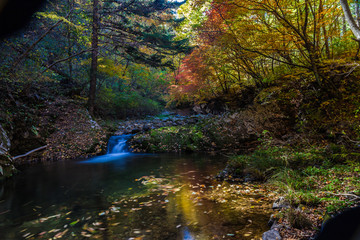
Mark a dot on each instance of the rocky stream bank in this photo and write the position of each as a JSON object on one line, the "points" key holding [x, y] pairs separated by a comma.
{"points": [[68, 131], [166, 119]]}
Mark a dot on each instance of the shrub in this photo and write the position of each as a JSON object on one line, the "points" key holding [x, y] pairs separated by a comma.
{"points": [[121, 105], [297, 219], [261, 164], [172, 139]]}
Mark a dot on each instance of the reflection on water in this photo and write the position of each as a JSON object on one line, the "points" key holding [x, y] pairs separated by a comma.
{"points": [[187, 234], [100, 199], [107, 158]]}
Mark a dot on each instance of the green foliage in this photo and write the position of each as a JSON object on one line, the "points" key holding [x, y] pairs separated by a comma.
{"points": [[268, 159], [121, 105], [309, 176], [130, 91], [173, 139], [315, 185], [261, 163]]}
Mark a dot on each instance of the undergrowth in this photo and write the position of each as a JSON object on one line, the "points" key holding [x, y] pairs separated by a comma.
{"points": [[171, 139], [315, 176]]}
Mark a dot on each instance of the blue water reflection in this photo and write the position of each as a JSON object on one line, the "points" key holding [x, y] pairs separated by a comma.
{"points": [[107, 158]]}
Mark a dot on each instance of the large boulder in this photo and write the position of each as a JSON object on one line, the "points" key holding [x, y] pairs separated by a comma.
{"points": [[6, 162]]}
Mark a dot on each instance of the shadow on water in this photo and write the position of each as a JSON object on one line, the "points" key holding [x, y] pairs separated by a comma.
{"points": [[105, 198]]}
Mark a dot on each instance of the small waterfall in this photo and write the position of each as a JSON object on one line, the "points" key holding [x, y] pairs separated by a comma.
{"points": [[117, 149], [117, 144]]}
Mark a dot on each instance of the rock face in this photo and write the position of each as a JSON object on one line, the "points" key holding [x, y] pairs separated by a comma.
{"points": [[138, 126], [74, 132], [6, 163]]}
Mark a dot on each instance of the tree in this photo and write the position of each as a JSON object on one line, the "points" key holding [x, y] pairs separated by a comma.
{"points": [[94, 56], [350, 19], [136, 31], [247, 43]]}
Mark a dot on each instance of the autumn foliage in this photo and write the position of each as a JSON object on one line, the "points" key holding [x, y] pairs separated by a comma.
{"points": [[249, 42]]}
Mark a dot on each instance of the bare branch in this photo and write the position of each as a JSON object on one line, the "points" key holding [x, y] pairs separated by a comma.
{"points": [[65, 59]]}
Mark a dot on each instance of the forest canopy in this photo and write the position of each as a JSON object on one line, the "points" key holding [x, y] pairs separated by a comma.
{"points": [[137, 56], [118, 50], [250, 43]]}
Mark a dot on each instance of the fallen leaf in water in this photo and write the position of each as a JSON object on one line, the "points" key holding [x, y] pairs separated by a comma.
{"points": [[85, 234], [115, 209], [47, 218], [30, 236], [25, 235], [87, 228], [60, 234], [74, 222]]}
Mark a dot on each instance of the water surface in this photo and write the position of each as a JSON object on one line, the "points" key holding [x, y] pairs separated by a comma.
{"points": [[122, 196]]}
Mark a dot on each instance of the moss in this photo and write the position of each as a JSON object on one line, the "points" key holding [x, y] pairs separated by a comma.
{"points": [[171, 139]]}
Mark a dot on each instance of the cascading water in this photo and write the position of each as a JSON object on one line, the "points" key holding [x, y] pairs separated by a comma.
{"points": [[117, 144], [117, 149]]}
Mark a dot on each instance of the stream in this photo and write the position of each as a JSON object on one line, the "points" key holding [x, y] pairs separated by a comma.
{"points": [[123, 195]]}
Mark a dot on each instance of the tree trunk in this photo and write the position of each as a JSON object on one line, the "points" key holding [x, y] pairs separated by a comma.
{"points": [[69, 38], [349, 19], [326, 40], [358, 12], [94, 56], [343, 30]]}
